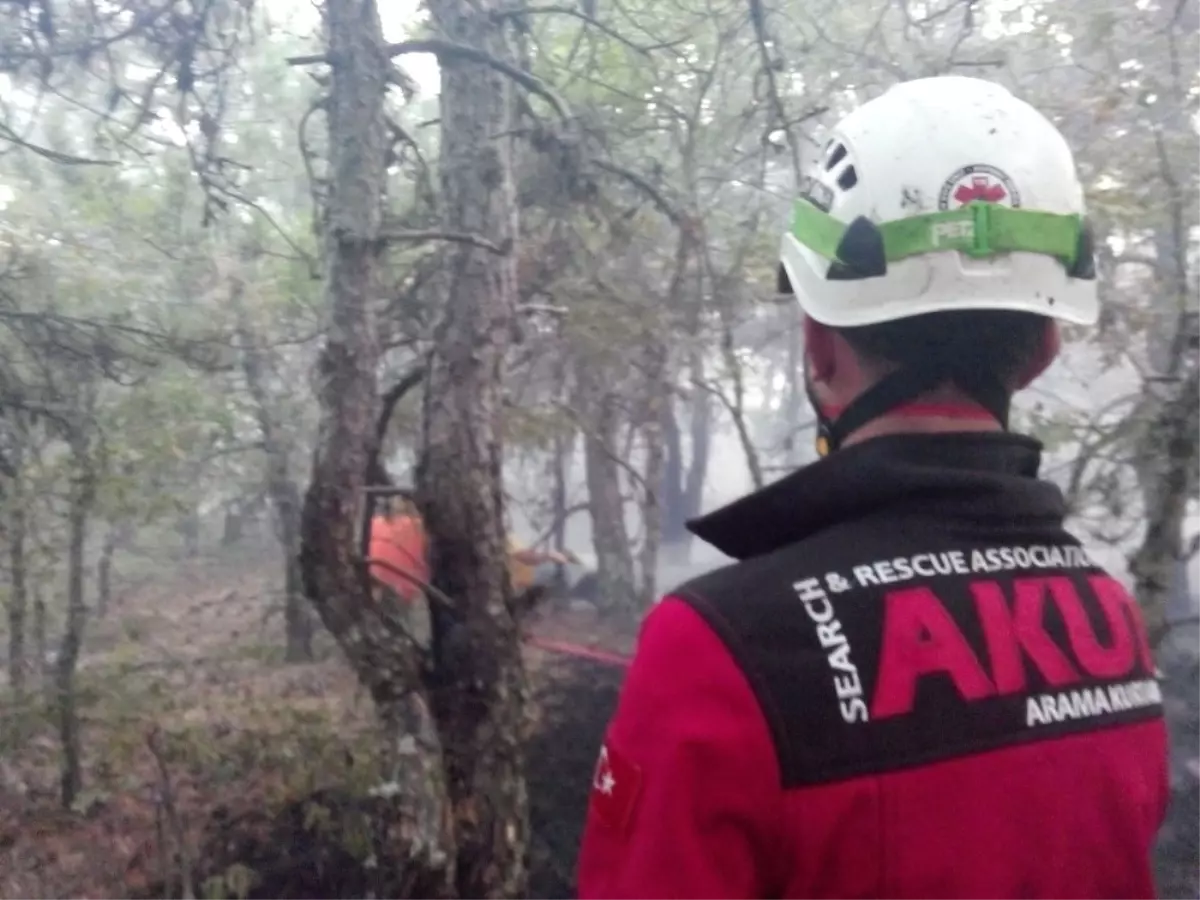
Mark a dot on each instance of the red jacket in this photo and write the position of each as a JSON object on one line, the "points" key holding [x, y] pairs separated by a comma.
{"points": [[899, 692]]}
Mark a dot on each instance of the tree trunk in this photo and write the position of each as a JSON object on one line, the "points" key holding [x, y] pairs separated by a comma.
{"points": [[1169, 455], [281, 489], [614, 562], [794, 397], [41, 642], [18, 600], [658, 400], [1153, 477], [687, 467], [657, 397], [298, 621], [189, 529], [560, 474], [82, 497], [674, 515], [699, 446], [685, 482], [373, 637], [114, 539], [563, 445], [234, 526], [737, 405], [1169, 450], [480, 690]]}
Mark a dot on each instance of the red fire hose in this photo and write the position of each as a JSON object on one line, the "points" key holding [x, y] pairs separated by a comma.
{"points": [[578, 650]]}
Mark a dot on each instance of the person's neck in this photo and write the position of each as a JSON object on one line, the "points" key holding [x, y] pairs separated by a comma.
{"points": [[938, 412], [897, 424]]}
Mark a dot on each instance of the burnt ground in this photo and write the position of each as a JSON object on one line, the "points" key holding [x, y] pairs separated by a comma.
{"points": [[291, 858], [562, 758]]}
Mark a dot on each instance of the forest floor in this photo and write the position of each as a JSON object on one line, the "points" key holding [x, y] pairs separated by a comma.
{"points": [[213, 769], [192, 723]]}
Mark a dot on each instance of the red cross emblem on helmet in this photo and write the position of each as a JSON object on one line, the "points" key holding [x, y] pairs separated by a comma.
{"points": [[978, 183], [980, 188]]}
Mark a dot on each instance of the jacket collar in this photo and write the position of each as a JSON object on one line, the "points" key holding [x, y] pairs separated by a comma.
{"points": [[977, 475]]}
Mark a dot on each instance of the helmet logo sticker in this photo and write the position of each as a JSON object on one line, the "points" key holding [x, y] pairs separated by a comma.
{"points": [[978, 182]]}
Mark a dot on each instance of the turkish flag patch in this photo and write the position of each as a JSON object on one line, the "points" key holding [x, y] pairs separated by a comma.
{"points": [[616, 784]]}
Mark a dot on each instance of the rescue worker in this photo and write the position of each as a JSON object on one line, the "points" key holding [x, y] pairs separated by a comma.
{"points": [[913, 682], [397, 546]]}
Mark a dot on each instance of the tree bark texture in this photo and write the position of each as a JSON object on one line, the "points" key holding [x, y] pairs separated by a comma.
{"points": [[117, 535], [673, 516], [189, 530], [41, 643], [1167, 465], [18, 600], [372, 636], [656, 367], [83, 496], [688, 478], [234, 526], [686, 468], [657, 397], [282, 490], [610, 537], [479, 690], [737, 404], [1169, 447], [794, 398]]}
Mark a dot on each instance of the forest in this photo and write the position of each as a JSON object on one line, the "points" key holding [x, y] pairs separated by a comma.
{"points": [[272, 270]]}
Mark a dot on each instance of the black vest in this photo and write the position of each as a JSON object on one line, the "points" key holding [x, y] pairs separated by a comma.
{"points": [[915, 598]]}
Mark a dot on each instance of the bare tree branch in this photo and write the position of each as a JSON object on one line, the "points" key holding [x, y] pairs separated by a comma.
{"points": [[664, 206], [443, 49], [389, 234], [55, 156], [577, 13]]}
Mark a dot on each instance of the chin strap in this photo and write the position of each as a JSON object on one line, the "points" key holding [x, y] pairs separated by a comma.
{"points": [[899, 388]]}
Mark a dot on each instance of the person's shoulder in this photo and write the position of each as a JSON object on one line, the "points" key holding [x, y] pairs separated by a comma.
{"points": [[758, 578]]}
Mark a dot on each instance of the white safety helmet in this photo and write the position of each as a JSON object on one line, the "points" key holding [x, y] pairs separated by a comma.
{"points": [[944, 193]]}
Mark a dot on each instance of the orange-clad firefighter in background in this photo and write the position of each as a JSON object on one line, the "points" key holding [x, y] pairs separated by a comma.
{"points": [[398, 545]]}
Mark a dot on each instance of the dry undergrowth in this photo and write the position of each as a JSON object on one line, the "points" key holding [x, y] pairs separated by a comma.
{"points": [[189, 714]]}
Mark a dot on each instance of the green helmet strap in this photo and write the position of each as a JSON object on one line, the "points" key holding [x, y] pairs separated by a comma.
{"points": [[863, 249], [979, 230]]}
